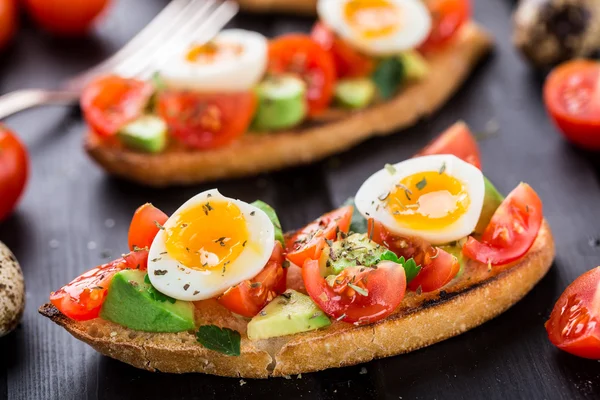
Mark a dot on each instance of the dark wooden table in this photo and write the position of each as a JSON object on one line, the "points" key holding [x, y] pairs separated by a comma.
{"points": [[74, 217]]}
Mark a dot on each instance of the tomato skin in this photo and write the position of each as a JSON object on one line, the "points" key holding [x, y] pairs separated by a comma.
{"points": [[385, 286], [246, 300], [109, 102], [8, 21], [349, 63], [574, 325], [143, 227], [571, 96], [82, 298], [299, 54], [437, 274], [448, 17], [14, 171], [65, 17], [511, 231], [207, 120], [308, 242], [456, 140]]}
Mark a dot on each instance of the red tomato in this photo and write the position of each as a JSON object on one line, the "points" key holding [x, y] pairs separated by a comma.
{"points": [[448, 17], [574, 325], [299, 54], [456, 140], [572, 97], [144, 226], [8, 21], [14, 167], [437, 274], [249, 297], [65, 17], [349, 62], [82, 299], [308, 241], [511, 231], [110, 102], [207, 120], [381, 291]]}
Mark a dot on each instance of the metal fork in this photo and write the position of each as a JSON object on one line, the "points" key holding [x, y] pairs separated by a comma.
{"points": [[199, 20]]}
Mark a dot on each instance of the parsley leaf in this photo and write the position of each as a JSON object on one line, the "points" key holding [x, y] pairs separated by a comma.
{"points": [[388, 76], [155, 294], [358, 223], [411, 269], [223, 340]]}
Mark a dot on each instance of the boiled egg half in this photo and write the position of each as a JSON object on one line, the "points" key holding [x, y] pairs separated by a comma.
{"points": [[209, 244], [377, 27], [437, 198], [234, 61]]}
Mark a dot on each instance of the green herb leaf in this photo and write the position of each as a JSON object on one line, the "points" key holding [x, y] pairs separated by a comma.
{"points": [[223, 340], [421, 184], [411, 269], [388, 76], [158, 81], [155, 294], [390, 169], [359, 223], [359, 290]]}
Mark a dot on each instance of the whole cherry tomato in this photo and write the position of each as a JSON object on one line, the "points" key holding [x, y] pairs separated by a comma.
{"points": [[14, 169], [65, 17]]}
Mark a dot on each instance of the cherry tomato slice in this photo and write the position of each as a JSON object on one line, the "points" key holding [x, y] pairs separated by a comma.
{"points": [[299, 54], [448, 17], [144, 226], [207, 120], [456, 140], [572, 98], [349, 63], [437, 273], [379, 291], [511, 231], [574, 325], [82, 298], [249, 297], [308, 241], [110, 102], [14, 170]]}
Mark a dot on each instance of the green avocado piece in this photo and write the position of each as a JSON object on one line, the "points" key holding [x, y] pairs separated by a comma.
{"points": [[491, 202], [148, 133], [356, 249], [289, 313], [456, 250], [270, 211], [281, 103], [133, 303], [355, 93], [415, 65], [358, 224]]}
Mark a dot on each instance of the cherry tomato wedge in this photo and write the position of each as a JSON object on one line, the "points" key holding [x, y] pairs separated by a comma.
{"points": [[144, 226], [572, 98], [110, 102], [437, 273], [448, 17], [456, 140], [249, 297], [574, 325], [308, 241], [511, 231], [358, 295], [82, 299], [207, 120], [349, 62], [14, 170], [299, 54]]}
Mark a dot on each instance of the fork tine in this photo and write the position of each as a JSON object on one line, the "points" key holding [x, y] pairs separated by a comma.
{"points": [[144, 36]]}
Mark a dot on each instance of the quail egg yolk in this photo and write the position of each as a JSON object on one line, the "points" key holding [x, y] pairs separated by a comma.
{"points": [[212, 52], [208, 236], [428, 201], [372, 19]]}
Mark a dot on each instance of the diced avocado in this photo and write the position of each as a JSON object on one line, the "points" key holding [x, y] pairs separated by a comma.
{"points": [[261, 205], [290, 313], [355, 93], [281, 103], [358, 224], [356, 249], [148, 133], [491, 202], [133, 303], [456, 250], [415, 65]]}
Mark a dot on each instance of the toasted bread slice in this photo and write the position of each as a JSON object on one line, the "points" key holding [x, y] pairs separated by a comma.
{"points": [[475, 297], [304, 7], [336, 132]]}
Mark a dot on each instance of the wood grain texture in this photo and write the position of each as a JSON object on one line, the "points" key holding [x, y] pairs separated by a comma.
{"points": [[65, 225]]}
